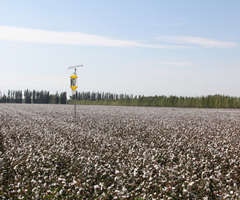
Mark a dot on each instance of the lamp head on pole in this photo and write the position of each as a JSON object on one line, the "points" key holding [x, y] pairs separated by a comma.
{"points": [[73, 79]]}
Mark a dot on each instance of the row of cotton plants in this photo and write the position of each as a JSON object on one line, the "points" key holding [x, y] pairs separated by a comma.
{"points": [[113, 152]]}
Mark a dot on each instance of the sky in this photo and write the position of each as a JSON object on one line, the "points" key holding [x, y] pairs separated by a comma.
{"points": [[154, 47]]}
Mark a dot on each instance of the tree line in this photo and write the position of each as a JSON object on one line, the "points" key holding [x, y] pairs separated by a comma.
{"points": [[34, 96], [209, 101], [107, 98], [98, 96]]}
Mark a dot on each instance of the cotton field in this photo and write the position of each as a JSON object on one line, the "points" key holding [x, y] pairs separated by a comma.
{"points": [[113, 152]]}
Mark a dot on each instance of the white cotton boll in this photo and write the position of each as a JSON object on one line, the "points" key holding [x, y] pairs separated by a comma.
{"points": [[184, 191], [74, 182], [68, 174], [101, 185], [61, 191], [135, 172], [226, 196], [191, 183], [117, 191], [110, 187], [144, 174], [96, 187], [15, 167], [18, 185], [49, 192], [124, 189], [33, 181]]}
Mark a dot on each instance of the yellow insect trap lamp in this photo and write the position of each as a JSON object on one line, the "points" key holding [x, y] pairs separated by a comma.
{"points": [[73, 83], [74, 78]]}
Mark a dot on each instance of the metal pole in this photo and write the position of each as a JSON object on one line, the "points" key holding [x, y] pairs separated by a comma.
{"points": [[75, 105], [75, 96]]}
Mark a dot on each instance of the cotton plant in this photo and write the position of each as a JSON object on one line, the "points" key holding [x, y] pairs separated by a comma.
{"points": [[118, 152]]}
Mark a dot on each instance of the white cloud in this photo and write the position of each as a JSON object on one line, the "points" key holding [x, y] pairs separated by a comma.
{"points": [[69, 38], [171, 63], [154, 63], [131, 65], [197, 41], [79, 38], [167, 24]]}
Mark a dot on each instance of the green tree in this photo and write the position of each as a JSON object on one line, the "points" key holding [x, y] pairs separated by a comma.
{"points": [[57, 98], [27, 96], [63, 98], [34, 96]]}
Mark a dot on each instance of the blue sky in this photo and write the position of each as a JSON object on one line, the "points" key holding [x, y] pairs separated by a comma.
{"points": [[183, 48]]}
